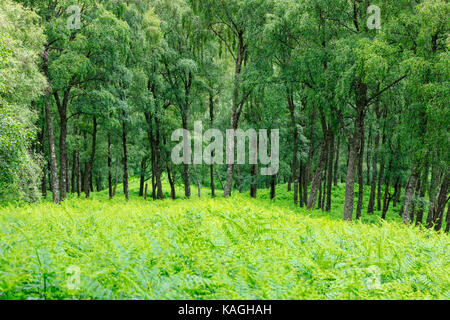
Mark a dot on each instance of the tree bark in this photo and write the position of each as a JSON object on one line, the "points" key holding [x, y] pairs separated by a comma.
{"points": [[273, 184], [330, 171], [158, 167], [110, 187], [186, 171], [211, 167], [236, 108], [409, 196], [62, 109], [254, 180], [317, 180], [441, 203], [125, 158], [336, 164], [294, 177], [51, 138], [142, 176], [88, 173], [360, 177], [371, 207], [423, 189], [355, 146], [447, 229]]}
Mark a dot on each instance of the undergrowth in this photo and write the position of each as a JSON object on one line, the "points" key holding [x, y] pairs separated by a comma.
{"points": [[237, 248]]}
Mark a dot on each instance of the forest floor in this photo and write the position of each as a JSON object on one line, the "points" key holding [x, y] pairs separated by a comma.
{"points": [[236, 248]]}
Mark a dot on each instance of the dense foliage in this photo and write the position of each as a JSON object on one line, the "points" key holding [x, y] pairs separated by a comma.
{"points": [[92, 91], [236, 248]]}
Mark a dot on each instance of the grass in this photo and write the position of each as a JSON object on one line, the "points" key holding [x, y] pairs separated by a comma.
{"points": [[237, 248]]}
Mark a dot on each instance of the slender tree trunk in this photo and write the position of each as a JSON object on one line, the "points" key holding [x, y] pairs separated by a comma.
{"points": [[355, 146], [142, 176], [447, 229], [146, 192], [74, 172], [291, 105], [62, 109], [171, 182], [254, 180], [238, 178], [330, 171], [236, 109], [360, 177], [186, 171], [336, 164], [373, 188], [116, 180], [398, 191], [211, 169], [302, 200], [42, 149], [158, 167], [199, 184], [110, 187], [125, 159], [89, 165], [441, 203], [51, 138], [53, 164], [78, 171], [409, 195], [317, 180], [432, 191], [368, 151], [273, 184], [423, 189]]}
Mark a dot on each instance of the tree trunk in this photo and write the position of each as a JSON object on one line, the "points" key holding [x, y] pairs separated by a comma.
{"points": [[336, 164], [53, 164], [447, 229], [186, 173], [254, 180], [423, 189], [171, 182], [369, 140], [74, 172], [373, 188], [78, 171], [51, 138], [441, 202], [88, 173], [211, 169], [110, 187], [355, 146], [294, 177], [302, 200], [142, 176], [125, 158], [62, 109], [116, 180], [158, 166], [330, 171], [360, 177], [432, 192], [409, 196], [42, 149], [273, 184], [236, 109], [317, 180]]}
